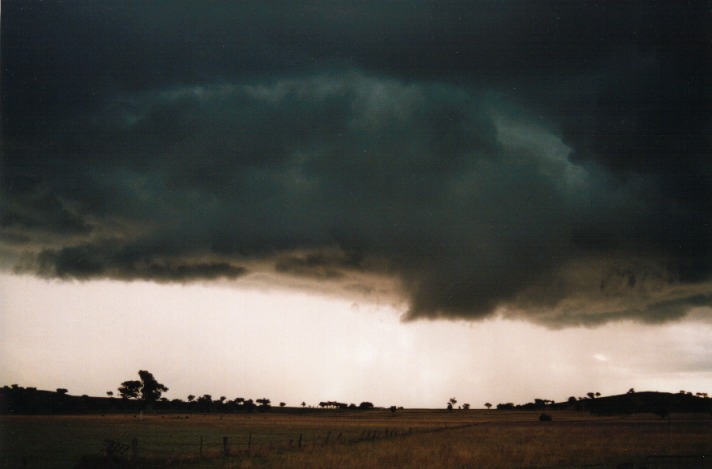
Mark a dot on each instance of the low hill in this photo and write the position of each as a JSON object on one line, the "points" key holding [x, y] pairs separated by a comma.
{"points": [[660, 403]]}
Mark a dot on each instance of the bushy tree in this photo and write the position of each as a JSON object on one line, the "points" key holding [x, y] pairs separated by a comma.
{"points": [[264, 403], [151, 389], [130, 389], [205, 403], [451, 403], [147, 388]]}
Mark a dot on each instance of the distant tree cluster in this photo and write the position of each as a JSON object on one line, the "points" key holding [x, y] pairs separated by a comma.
{"points": [[136, 395], [333, 405], [342, 405]]}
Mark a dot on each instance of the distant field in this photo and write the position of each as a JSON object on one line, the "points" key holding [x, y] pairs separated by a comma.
{"points": [[368, 439]]}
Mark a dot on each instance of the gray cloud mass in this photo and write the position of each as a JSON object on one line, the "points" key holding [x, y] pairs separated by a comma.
{"points": [[548, 161]]}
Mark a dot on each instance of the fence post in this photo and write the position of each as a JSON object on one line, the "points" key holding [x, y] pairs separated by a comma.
{"points": [[226, 446], [134, 449]]}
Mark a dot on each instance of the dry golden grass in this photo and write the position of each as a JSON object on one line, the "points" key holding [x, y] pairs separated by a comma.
{"points": [[507, 444], [374, 439]]}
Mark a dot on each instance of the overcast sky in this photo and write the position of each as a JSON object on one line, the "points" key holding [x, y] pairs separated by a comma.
{"points": [[419, 175]]}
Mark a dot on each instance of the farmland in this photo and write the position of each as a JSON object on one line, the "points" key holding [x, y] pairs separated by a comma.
{"points": [[319, 438]]}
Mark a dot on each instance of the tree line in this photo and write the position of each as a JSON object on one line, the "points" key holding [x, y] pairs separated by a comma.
{"points": [[146, 394], [136, 395]]}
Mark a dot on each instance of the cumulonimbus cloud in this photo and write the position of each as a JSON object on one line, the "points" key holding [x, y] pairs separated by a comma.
{"points": [[565, 190]]}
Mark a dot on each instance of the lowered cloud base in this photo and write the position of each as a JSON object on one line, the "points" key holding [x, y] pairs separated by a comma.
{"points": [[555, 175]]}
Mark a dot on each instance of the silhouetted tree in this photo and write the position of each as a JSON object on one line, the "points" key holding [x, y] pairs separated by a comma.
{"points": [[205, 402], [631, 391], [282, 404], [365, 405], [130, 389], [393, 409], [488, 405], [110, 393], [148, 389], [264, 402], [62, 391], [304, 404], [151, 389], [191, 398], [466, 406]]}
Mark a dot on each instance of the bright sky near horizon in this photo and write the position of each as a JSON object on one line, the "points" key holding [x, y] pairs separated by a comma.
{"points": [[395, 201], [294, 347]]}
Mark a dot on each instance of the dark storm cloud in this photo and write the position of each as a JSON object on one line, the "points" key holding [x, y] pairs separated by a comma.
{"points": [[104, 260], [547, 160]]}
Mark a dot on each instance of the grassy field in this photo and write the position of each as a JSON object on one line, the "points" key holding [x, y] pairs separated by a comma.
{"points": [[332, 439]]}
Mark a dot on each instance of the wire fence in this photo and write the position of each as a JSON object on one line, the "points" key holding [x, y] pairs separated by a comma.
{"points": [[136, 453], [133, 454]]}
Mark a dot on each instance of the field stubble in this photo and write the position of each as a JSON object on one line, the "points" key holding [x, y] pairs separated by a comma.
{"points": [[326, 439]]}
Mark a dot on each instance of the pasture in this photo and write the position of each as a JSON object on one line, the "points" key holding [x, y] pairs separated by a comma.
{"points": [[364, 439]]}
